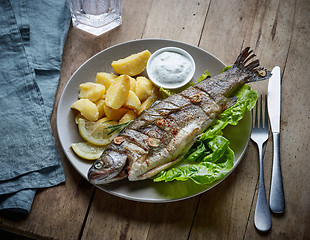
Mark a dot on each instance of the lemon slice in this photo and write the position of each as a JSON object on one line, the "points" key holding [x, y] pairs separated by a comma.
{"points": [[87, 150], [76, 120], [97, 132]]}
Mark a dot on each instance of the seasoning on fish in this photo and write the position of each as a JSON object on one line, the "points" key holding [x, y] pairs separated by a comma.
{"points": [[161, 135]]}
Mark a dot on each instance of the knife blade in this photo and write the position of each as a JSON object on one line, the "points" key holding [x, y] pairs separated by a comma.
{"points": [[276, 198], [274, 99]]}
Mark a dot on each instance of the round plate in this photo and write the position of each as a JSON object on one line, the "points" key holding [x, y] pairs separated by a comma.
{"points": [[147, 190]]}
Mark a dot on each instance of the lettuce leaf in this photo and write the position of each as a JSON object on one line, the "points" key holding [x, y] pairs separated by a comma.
{"points": [[225, 69], [210, 158], [204, 76], [164, 93], [208, 162]]}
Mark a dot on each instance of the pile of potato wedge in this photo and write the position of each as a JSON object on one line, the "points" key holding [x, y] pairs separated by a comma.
{"points": [[119, 96]]}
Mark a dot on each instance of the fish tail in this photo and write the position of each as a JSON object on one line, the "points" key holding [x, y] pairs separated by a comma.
{"points": [[255, 72]]}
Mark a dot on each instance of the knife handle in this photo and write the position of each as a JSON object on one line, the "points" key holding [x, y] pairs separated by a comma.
{"points": [[276, 198]]}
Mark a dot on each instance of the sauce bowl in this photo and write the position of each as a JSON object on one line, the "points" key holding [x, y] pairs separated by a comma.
{"points": [[170, 67]]}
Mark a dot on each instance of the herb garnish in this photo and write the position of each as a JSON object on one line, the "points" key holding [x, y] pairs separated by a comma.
{"points": [[116, 128]]}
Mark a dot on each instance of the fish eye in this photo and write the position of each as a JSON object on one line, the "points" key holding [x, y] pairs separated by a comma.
{"points": [[98, 165]]}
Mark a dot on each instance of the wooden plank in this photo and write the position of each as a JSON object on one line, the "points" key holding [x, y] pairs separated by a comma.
{"points": [[295, 123], [270, 35], [226, 26], [111, 217], [172, 221], [178, 20]]}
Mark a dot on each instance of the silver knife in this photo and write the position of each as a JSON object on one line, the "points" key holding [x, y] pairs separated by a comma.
{"points": [[276, 198]]}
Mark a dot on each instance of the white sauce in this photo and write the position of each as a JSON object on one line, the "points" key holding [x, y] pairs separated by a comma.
{"points": [[170, 68]]}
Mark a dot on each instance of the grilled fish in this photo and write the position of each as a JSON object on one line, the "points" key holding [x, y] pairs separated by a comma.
{"points": [[162, 134]]}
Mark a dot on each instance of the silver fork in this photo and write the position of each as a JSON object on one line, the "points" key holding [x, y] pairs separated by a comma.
{"points": [[260, 133]]}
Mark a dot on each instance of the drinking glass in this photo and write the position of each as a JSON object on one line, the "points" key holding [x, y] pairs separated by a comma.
{"points": [[96, 16]]}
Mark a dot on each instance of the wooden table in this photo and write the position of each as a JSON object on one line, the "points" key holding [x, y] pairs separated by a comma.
{"points": [[279, 33]]}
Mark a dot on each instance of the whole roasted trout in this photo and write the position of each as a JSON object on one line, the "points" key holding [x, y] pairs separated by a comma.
{"points": [[162, 134]]}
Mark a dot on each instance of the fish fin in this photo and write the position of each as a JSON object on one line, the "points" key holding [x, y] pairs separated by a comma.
{"points": [[156, 170], [256, 73]]}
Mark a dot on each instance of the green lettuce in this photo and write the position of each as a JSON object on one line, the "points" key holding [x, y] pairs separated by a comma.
{"points": [[204, 76], [211, 158], [164, 93], [225, 69]]}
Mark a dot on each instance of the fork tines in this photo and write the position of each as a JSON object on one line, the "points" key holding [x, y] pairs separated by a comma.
{"points": [[260, 118]]}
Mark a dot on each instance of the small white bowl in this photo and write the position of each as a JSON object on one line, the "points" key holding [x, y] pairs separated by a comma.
{"points": [[170, 85]]}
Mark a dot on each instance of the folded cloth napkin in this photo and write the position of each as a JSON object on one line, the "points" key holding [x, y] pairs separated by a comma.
{"points": [[32, 37]]}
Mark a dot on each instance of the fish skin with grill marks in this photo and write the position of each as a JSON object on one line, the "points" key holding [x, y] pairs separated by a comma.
{"points": [[161, 135]]}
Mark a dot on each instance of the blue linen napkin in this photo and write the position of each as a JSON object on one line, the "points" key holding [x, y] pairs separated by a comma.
{"points": [[32, 36]]}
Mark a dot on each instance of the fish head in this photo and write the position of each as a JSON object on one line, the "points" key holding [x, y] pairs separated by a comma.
{"points": [[107, 167]]}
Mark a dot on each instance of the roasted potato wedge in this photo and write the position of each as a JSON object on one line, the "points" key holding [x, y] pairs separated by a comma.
{"points": [[132, 65], [117, 92], [91, 91], [87, 109]]}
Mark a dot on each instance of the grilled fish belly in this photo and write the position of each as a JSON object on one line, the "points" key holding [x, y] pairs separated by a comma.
{"points": [[162, 134]]}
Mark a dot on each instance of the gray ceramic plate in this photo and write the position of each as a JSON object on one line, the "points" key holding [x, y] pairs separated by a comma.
{"points": [[147, 190]]}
